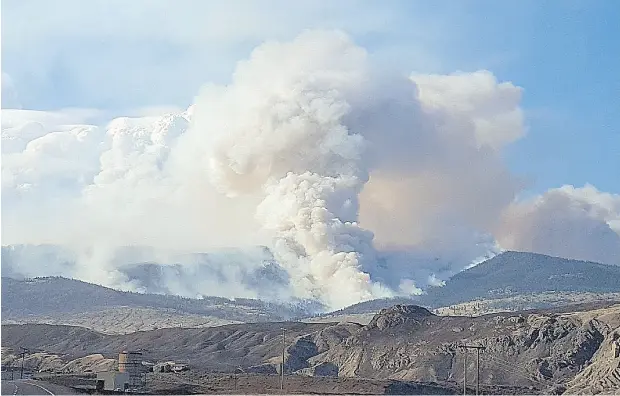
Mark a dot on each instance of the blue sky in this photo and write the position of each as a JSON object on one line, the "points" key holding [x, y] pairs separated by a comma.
{"points": [[568, 65], [122, 55]]}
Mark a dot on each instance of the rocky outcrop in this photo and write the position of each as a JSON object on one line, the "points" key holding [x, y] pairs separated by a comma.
{"points": [[548, 351], [38, 361], [298, 354], [398, 315], [530, 349], [602, 375], [48, 362], [95, 363]]}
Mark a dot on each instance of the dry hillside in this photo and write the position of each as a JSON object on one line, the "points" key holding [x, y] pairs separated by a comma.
{"points": [[541, 350]]}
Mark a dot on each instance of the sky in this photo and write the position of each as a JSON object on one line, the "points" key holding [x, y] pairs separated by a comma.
{"points": [[118, 56], [511, 141]]}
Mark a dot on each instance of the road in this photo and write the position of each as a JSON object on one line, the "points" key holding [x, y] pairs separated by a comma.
{"points": [[32, 387]]}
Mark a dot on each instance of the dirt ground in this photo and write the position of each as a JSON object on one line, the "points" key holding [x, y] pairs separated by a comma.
{"points": [[188, 383], [243, 384]]}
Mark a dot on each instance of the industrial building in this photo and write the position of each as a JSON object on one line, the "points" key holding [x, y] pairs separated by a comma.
{"points": [[131, 363], [128, 376], [112, 381], [170, 366]]}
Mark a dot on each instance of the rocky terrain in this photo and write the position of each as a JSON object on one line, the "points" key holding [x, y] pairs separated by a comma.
{"points": [[479, 307], [569, 349], [50, 362], [531, 349], [602, 375], [522, 302], [513, 305]]}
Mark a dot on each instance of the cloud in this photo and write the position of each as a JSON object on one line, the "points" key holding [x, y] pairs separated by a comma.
{"points": [[362, 182], [579, 223]]}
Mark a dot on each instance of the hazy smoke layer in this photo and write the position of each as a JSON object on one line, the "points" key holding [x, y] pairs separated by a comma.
{"points": [[362, 182], [580, 223]]}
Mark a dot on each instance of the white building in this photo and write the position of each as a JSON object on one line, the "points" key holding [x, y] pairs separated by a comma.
{"points": [[113, 380]]}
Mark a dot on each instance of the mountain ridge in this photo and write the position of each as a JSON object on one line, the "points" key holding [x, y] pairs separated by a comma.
{"points": [[58, 296], [507, 274], [512, 273]]}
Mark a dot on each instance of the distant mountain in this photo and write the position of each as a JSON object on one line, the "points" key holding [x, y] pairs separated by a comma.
{"points": [[513, 273], [224, 272], [507, 275], [55, 296]]}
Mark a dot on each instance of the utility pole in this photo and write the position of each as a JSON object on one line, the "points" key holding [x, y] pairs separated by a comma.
{"points": [[478, 348], [477, 371], [23, 353], [283, 347], [464, 371]]}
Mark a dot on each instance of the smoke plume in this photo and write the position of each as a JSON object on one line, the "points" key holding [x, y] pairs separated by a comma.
{"points": [[362, 182]]}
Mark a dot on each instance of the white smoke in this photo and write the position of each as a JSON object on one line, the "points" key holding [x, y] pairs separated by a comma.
{"points": [[578, 223], [364, 183], [279, 131]]}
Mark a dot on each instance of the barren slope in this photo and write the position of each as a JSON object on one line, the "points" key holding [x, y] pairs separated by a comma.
{"points": [[602, 376], [544, 349], [125, 320]]}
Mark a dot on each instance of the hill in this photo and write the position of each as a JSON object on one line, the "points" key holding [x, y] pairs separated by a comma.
{"points": [[227, 272], [48, 299], [515, 273], [539, 349], [509, 281], [506, 282]]}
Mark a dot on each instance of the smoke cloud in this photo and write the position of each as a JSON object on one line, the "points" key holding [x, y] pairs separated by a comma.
{"points": [[362, 182], [578, 223]]}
